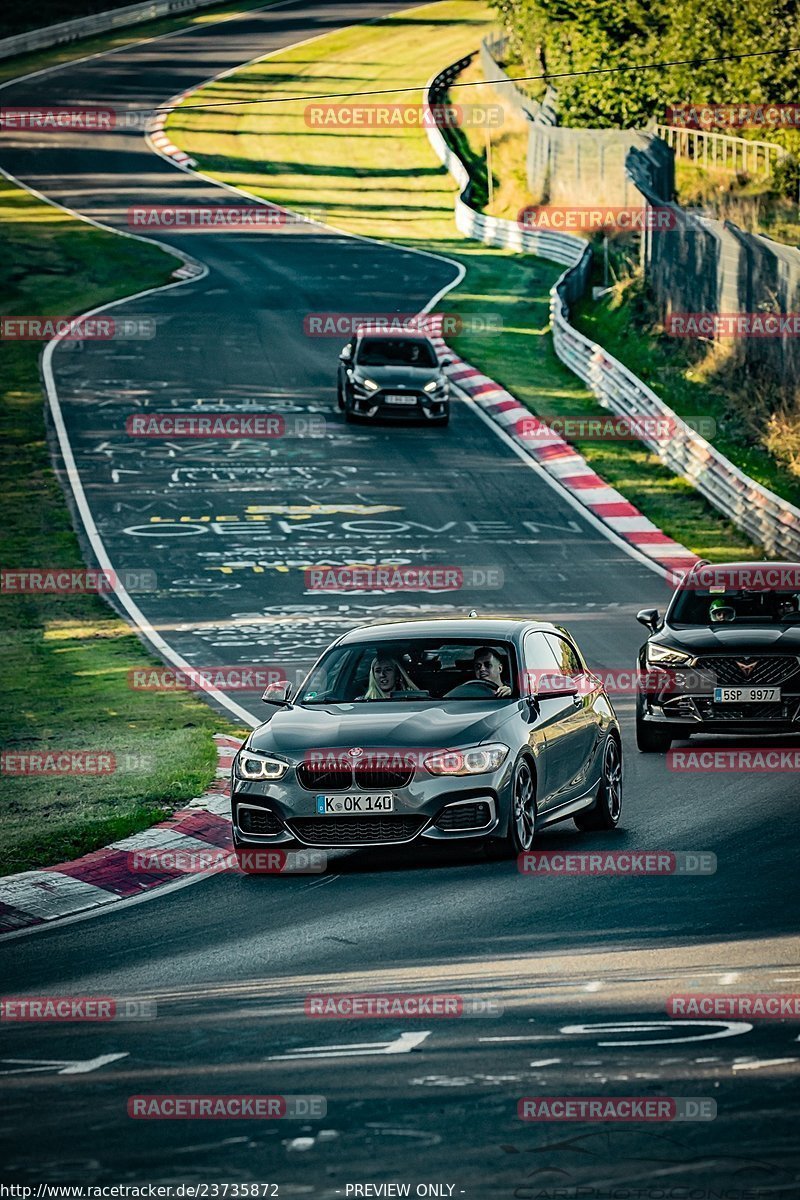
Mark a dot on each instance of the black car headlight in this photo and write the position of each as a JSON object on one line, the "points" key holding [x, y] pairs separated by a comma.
{"points": [[475, 760], [435, 385], [254, 766], [665, 656]]}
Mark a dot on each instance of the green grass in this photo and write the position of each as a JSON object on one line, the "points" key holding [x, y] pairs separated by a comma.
{"points": [[65, 659], [667, 366], [387, 183]]}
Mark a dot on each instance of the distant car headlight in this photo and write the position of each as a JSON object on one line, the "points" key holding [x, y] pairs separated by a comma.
{"points": [[369, 384], [434, 385], [475, 760], [249, 764], [665, 656]]}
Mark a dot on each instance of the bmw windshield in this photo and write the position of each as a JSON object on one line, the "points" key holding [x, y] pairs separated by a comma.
{"points": [[415, 671]]}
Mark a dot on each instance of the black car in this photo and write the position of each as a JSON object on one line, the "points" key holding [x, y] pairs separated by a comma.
{"points": [[482, 729], [725, 658], [395, 376]]}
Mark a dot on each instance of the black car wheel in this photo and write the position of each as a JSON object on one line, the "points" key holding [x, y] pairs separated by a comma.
{"points": [[442, 421], [521, 819], [607, 809], [339, 397]]}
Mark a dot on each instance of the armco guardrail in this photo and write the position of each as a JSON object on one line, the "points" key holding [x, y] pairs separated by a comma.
{"points": [[81, 27], [772, 522]]}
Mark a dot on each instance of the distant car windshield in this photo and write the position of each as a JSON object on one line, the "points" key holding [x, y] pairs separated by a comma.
{"points": [[735, 607], [414, 671], [396, 352]]}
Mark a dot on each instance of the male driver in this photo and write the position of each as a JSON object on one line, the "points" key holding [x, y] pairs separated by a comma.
{"points": [[488, 667]]}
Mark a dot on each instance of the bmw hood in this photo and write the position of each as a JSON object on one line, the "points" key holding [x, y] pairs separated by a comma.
{"points": [[293, 732]]}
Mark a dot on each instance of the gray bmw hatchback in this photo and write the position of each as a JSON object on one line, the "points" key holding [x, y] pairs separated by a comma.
{"points": [[443, 729]]}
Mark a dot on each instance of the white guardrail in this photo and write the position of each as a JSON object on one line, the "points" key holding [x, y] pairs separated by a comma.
{"points": [[772, 522], [101, 22]]}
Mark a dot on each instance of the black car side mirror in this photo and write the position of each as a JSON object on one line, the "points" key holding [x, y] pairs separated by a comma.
{"points": [[447, 362], [346, 354], [278, 693], [648, 617]]}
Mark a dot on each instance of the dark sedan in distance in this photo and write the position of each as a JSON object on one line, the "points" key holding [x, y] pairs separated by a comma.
{"points": [[484, 729], [393, 375]]}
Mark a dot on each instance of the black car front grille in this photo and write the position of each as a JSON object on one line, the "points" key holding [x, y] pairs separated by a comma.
{"points": [[769, 670], [384, 775], [348, 831], [743, 713], [258, 820], [334, 777], [464, 816], [372, 773]]}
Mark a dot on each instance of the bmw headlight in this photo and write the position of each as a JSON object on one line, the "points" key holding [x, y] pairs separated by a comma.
{"points": [[475, 760], [665, 656], [435, 385], [254, 766]]}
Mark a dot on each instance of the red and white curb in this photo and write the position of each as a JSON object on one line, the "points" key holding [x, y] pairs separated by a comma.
{"points": [[106, 875], [156, 134]]}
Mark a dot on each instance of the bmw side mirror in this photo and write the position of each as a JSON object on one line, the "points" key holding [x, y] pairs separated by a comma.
{"points": [[278, 693], [648, 617]]}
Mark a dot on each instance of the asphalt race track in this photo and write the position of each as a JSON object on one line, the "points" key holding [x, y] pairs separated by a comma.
{"points": [[229, 959]]}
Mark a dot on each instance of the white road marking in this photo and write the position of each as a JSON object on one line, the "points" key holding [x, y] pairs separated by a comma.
{"points": [[545, 1062], [404, 1044], [724, 1029], [594, 986], [765, 1062], [67, 1066], [729, 977]]}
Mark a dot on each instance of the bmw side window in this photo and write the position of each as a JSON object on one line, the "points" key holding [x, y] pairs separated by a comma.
{"points": [[568, 661], [539, 654]]}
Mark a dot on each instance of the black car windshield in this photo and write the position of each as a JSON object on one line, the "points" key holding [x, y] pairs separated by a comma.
{"points": [[414, 671], [735, 607], [396, 352]]}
